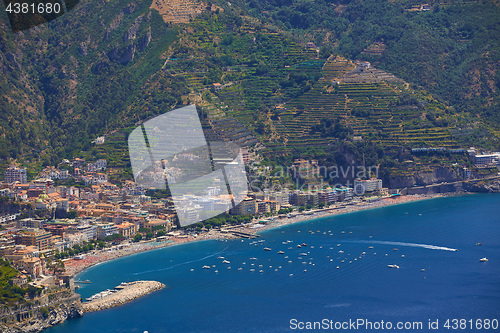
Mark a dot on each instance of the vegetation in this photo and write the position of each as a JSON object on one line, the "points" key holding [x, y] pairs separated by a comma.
{"points": [[9, 293], [101, 71], [221, 220]]}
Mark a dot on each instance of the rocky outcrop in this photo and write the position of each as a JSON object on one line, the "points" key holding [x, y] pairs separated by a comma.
{"points": [[123, 55], [438, 175], [83, 49], [132, 31], [39, 322], [144, 40]]}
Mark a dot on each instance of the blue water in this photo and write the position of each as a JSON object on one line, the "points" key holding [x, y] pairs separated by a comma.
{"points": [[454, 284]]}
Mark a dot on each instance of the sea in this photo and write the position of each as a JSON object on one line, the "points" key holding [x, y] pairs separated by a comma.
{"points": [[339, 278]]}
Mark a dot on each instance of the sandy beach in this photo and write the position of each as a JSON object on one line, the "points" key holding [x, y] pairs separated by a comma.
{"points": [[75, 266]]}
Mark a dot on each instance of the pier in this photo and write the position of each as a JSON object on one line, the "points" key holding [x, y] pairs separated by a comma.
{"points": [[240, 234], [124, 293]]}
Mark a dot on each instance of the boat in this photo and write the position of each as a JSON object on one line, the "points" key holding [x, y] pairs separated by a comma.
{"points": [[226, 262], [253, 258], [303, 244], [393, 266], [206, 267], [299, 246], [281, 252], [86, 281], [395, 249], [303, 254], [370, 247], [267, 249], [477, 244], [483, 259]]}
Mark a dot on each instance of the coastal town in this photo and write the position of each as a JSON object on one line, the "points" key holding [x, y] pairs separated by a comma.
{"points": [[63, 229]]}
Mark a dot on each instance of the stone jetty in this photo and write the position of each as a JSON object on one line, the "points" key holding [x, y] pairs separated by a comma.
{"points": [[121, 294]]}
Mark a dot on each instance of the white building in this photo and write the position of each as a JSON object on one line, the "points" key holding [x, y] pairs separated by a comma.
{"points": [[367, 185], [90, 231], [106, 229], [487, 159], [14, 174]]}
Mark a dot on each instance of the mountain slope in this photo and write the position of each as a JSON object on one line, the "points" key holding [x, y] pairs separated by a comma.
{"points": [[279, 69]]}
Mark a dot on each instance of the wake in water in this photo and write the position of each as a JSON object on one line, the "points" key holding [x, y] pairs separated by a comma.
{"points": [[425, 246], [181, 264]]}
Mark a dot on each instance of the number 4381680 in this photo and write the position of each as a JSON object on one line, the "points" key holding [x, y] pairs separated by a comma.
{"points": [[33, 8], [477, 324]]}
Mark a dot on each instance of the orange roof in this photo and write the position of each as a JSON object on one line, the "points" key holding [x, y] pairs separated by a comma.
{"points": [[125, 225]]}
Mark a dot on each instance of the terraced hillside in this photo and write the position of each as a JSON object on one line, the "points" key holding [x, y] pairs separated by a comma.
{"points": [[280, 89], [368, 101]]}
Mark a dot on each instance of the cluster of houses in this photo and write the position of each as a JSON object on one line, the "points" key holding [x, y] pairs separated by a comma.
{"points": [[103, 209]]}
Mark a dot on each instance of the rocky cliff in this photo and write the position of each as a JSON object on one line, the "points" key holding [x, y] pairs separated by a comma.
{"points": [[39, 321], [485, 186], [438, 175]]}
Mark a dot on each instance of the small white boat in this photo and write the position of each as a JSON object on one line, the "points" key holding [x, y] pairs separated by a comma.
{"points": [[267, 249], [206, 267], [226, 262], [281, 252], [483, 259], [393, 266]]}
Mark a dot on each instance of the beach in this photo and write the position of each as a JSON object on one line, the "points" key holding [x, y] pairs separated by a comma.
{"points": [[342, 270], [75, 266]]}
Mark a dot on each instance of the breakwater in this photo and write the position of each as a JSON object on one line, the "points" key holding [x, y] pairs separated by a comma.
{"points": [[121, 294]]}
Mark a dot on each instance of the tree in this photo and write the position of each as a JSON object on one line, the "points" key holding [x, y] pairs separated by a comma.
{"points": [[72, 214], [137, 237]]}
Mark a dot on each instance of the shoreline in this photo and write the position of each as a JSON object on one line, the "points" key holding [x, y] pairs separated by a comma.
{"points": [[75, 267]]}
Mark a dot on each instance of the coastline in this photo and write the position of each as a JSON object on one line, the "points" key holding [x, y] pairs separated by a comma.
{"points": [[75, 267]]}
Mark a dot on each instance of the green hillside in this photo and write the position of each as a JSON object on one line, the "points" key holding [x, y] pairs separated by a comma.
{"points": [[452, 50], [281, 76]]}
